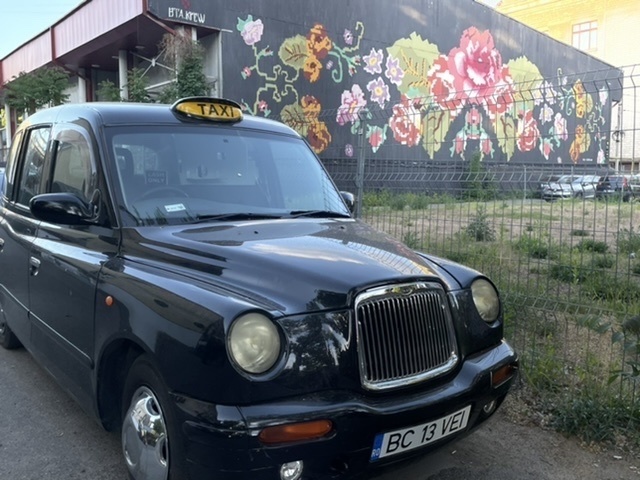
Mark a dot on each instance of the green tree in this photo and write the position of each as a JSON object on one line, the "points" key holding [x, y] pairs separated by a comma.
{"points": [[137, 86], [108, 91], [186, 57], [44, 87]]}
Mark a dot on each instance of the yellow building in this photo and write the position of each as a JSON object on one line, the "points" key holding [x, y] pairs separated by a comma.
{"points": [[608, 30]]}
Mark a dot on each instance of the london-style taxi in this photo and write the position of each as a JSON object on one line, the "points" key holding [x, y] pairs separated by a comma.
{"points": [[192, 276]]}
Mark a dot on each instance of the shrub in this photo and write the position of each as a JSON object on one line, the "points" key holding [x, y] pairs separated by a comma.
{"points": [[480, 229]]}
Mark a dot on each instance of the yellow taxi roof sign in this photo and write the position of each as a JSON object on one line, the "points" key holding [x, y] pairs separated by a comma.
{"points": [[208, 108]]}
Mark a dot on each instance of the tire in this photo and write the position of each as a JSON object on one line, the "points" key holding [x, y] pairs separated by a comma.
{"points": [[149, 436], [8, 339]]}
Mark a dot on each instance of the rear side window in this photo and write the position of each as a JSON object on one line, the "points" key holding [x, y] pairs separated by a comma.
{"points": [[12, 161], [33, 166]]}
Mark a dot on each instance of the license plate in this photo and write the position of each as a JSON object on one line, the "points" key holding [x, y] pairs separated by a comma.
{"points": [[398, 441]]}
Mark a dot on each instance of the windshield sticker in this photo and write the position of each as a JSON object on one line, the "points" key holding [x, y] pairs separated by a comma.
{"points": [[177, 207], [156, 177]]}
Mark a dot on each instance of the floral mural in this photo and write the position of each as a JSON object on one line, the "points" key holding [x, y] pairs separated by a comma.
{"points": [[412, 95]]}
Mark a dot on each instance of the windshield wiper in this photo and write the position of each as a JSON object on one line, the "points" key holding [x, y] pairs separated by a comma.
{"points": [[235, 216], [318, 214]]}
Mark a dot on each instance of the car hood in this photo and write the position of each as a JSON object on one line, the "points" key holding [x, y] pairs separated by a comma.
{"points": [[294, 265]]}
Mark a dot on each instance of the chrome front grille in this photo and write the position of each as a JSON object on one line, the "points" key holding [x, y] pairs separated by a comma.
{"points": [[405, 335]]}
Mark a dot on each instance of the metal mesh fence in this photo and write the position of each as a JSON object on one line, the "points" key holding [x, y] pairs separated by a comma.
{"points": [[550, 215]]}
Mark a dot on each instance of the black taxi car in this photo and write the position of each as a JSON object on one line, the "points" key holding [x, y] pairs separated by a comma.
{"points": [[192, 276]]}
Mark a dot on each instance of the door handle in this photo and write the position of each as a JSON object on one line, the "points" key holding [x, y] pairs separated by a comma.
{"points": [[34, 266]]}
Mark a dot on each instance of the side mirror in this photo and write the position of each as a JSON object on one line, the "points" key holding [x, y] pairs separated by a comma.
{"points": [[350, 199], [62, 208]]}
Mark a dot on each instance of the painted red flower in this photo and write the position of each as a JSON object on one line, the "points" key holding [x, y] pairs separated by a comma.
{"points": [[528, 133], [476, 65], [405, 123], [442, 86]]}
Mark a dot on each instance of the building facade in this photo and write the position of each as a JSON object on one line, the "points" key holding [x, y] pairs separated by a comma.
{"points": [[425, 81]]}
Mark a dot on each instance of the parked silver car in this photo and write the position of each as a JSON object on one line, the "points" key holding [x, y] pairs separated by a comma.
{"points": [[570, 186]]}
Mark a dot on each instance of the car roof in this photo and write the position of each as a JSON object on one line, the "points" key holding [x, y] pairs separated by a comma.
{"points": [[124, 113]]}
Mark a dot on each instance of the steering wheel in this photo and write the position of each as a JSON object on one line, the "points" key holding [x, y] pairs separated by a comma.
{"points": [[160, 191]]}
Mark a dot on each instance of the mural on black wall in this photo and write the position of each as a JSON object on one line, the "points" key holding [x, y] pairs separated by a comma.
{"points": [[411, 95]]}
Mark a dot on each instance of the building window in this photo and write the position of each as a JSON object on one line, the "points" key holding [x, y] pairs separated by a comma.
{"points": [[585, 36]]}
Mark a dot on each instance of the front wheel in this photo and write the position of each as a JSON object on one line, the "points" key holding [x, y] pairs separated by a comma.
{"points": [[149, 444], [8, 339]]}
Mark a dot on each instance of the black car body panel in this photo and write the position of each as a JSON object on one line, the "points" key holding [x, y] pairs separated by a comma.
{"points": [[109, 271]]}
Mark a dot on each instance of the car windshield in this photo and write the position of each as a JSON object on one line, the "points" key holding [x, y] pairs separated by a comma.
{"points": [[192, 173]]}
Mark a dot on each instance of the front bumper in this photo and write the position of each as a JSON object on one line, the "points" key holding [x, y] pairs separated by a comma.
{"points": [[222, 442]]}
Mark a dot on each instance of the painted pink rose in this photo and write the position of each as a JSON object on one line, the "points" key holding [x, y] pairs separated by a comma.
{"points": [[528, 133], [442, 86], [406, 123], [560, 127], [476, 65], [252, 32], [351, 103], [501, 99]]}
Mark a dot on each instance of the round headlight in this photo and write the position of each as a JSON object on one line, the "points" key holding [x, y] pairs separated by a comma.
{"points": [[254, 343], [486, 299]]}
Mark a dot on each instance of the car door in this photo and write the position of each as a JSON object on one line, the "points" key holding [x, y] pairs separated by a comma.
{"points": [[18, 227], [66, 261]]}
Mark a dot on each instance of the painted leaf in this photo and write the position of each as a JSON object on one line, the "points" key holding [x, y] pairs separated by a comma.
{"points": [[415, 57], [293, 115], [527, 79], [294, 52], [506, 133], [241, 23], [434, 130]]}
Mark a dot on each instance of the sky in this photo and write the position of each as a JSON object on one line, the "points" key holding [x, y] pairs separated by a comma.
{"points": [[21, 20]]}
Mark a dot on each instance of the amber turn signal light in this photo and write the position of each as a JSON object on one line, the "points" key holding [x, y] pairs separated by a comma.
{"points": [[295, 432], [501, 375]]}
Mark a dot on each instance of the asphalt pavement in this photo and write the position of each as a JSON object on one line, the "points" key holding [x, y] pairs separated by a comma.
{"points": [[45, 436]]}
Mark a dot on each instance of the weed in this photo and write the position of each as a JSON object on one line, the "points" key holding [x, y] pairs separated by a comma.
{"points": [[568, 273], [479, 228], [580, 233], [628, 241], [595, 415], [603, 261], [534, 247], [590, 245], [412, 240]]}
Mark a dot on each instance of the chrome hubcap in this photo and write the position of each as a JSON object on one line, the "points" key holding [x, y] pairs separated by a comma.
{"points": [[144, 438]]}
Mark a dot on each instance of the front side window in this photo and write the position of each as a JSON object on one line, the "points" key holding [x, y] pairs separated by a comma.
{"points": [[32, 168], [74, 167], [190, 173]]}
